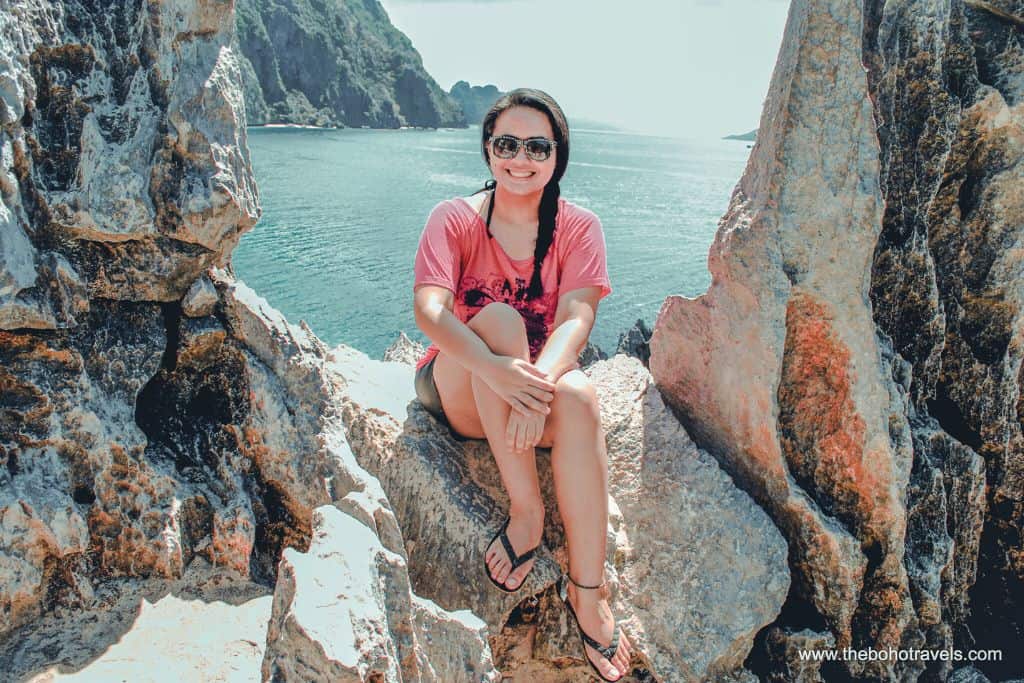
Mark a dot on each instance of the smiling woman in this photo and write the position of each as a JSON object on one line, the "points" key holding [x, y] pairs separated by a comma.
{"points": [[507, 284]]}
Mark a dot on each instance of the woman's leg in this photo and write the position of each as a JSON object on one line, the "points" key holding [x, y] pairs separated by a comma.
{"points": [[474, 410], [579, 462]]}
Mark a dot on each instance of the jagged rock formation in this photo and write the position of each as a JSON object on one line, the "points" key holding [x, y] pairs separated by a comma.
{"points": [[334, 64], [856, 362], [404, 350], [636, 342], [475, 100], [344, 611]]}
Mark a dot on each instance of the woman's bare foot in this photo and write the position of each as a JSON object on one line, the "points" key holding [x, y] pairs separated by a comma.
{"points": [[596, 620], [524, 531]]}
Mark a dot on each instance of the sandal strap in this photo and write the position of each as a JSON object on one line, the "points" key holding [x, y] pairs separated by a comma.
{"points": [[606, 651], [516, 560]]}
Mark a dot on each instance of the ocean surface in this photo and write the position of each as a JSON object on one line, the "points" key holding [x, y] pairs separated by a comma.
{"points": [[343, 211]]}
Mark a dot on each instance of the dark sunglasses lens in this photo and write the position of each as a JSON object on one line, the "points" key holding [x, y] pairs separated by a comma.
{"points": [[538, 149], [505, 146]]}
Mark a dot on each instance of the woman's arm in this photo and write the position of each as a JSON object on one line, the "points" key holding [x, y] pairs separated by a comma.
{"points": [[574, 318], [433, 308], [515, 380]]}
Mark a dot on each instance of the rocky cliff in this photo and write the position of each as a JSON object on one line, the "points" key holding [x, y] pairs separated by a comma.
{"points": [[475, 100], [171, 446], [856, 362], [334, 64]]}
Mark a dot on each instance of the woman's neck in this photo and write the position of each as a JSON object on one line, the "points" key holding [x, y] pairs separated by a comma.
{"points": [[516, 209]]}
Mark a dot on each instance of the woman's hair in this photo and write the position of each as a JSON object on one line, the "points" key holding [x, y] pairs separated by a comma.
{"points": [[544, 103]]}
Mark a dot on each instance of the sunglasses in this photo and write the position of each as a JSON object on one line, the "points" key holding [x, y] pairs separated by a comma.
{"points": [[507, 147]]}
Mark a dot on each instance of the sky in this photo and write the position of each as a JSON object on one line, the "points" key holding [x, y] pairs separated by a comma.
{"points": [[682, 68]]}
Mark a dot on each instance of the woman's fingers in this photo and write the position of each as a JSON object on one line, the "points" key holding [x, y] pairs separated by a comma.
{"points": [[539, 378]]}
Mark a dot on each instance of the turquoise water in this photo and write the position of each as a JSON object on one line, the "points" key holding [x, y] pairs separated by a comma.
{"points": [[343, 211]]}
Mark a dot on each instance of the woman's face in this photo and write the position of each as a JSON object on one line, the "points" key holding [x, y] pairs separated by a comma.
{"points": [[521, 174]]}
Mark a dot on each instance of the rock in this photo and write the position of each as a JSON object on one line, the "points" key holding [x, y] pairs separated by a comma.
{"points": [[337, 64], [776, 369], [669, 501], [591, 354], [200, 299], [968, 674], [126, 174], [175, 635], [133, 626], [404, 350], [345, 611], [74, 499], [788, 651], [454, 644], [945, 283], [635, 342], [475, 100], [842, 341]]}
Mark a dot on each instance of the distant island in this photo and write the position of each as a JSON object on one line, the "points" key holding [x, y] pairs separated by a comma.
{"points": [[475, 100], [752, 135]]}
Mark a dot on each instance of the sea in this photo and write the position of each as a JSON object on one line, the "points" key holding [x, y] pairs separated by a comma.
{"points": [[343, 210]]}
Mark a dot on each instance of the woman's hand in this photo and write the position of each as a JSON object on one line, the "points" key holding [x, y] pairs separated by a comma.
{"points": [[524, 430], [520, 384]]}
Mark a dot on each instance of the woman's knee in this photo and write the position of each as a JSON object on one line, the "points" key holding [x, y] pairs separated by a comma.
{"points": [[501, 327], [575, 394]]}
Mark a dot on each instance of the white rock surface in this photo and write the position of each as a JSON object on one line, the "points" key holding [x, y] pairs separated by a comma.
{"points": [[344, 611], [181, 640]]}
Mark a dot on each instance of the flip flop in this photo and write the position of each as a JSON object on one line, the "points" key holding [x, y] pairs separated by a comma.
{"points": [[606, 651], [516, 560]]}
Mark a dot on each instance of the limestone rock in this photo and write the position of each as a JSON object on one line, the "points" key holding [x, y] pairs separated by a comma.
{"points": [[134, 627], [636, 342], [776, 369], [454, 645], [591, 354], [174, 636], [404, 350], [946, 282], [344, 612], [335, 64], [698, 569], [475, 100], [124, 171], [200, 298], [864, 315], [788, 652]]}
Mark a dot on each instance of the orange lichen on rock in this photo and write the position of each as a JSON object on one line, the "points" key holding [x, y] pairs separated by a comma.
{"points": [[821, 433]]}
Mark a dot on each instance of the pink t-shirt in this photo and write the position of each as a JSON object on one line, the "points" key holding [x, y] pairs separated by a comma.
{"points": [[456, 253]]}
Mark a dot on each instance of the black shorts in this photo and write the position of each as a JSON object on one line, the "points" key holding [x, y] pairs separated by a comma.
{"points": [[426, 392]]}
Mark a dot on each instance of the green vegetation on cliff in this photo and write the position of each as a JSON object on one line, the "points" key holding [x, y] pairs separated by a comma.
{"points": [[334, 64]]}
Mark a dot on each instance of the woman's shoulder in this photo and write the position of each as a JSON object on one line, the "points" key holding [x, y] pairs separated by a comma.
{"points": [[455, 212], [575, 217]]}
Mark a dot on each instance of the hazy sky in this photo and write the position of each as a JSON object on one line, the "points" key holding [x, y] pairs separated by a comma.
{"points": [[687, 68]]}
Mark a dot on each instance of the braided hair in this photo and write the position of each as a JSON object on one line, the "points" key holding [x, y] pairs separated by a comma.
{"points": [[548, 211]]}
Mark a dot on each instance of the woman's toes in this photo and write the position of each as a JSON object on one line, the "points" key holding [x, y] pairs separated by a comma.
{"points": [[518, 576], [622, 657], [606, 668]]}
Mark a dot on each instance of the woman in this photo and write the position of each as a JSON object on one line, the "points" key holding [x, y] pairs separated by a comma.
{"points": [[507, 284]]}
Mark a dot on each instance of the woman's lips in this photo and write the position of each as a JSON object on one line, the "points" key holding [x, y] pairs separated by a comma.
{"points": [[520, 175]]}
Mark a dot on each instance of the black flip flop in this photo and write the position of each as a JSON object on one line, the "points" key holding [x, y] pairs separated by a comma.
{"points": [[606, 651], [516, 560]]}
